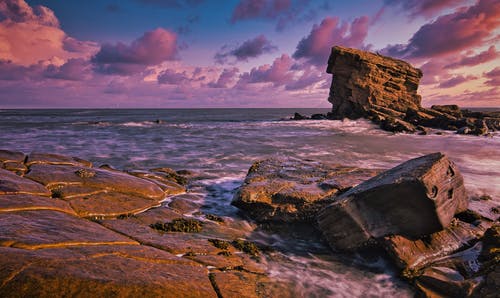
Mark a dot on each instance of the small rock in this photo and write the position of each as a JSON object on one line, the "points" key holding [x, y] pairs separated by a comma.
{"points": [[318, 117], [298, 116], [464, 130]]}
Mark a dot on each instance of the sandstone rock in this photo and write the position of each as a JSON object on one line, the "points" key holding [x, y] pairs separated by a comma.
{"points": [[23, 202], [396, 125], [384, 90], [414, 254], [14, 166], [111, 204], [244, 284], [47, 228], [453, 110], [11, 183], [292, 190], [362, 79], [445, 282], [11, 156], [50, 175], [55, 159], [184, 204], [416, 198], [102, 271]]}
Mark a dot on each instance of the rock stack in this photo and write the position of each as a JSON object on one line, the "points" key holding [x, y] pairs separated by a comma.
{"points": [[384, 90]]}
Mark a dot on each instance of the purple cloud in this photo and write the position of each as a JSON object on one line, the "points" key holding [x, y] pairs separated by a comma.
{"points": [[278, 73], [152, 48], [316, 47], [226, 78], [483, 57], [452, 33], [251, 48], [251, 9], [456, 80], [426, 8], [171, 77], [20, 12], [73, 70], [493, 77]]}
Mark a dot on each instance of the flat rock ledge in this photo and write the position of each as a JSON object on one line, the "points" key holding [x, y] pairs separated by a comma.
{"points": [[71, 229], [384, 90], [289, 190], [418, 215]]}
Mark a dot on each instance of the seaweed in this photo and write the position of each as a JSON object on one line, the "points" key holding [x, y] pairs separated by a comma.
{"points": [[221, 244], [214, 217], [246, 247], [179, 225]]}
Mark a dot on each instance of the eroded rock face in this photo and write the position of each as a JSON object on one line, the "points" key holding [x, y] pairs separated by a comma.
{"points": [[384, 90], [363, 80], [292, 190], [416, 198]]}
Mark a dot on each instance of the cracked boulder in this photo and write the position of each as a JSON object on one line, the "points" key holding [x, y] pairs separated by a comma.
{"points": [[416, 198]]}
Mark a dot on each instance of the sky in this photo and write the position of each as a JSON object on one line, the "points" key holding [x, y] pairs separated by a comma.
{"points": [[236, 53]]}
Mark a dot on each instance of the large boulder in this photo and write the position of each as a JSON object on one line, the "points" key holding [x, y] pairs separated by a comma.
{"points": [[293, 190], [416, 198], [363, 79]]}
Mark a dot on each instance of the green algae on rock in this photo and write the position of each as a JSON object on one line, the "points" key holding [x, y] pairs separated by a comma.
{"points": [[179, 225]]}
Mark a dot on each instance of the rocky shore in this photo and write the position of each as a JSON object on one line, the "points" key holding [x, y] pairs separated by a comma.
{"points": [[384, 90], [417, 214], [72, 229]]}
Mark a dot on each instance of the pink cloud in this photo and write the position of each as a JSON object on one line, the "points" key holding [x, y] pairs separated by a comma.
{"points": [[317, 45], [452, 33], [426, 8], [469, 98], [278, 73], [152, 48], [30, 35], [493, 77], [251, 48], [456, 80], [310, 76], [483, 57]]}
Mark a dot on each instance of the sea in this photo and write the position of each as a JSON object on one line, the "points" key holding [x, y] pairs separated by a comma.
{"points": [[219, 145]]}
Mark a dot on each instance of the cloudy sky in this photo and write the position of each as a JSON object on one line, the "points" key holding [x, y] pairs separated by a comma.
{"points": [[236, 53]]}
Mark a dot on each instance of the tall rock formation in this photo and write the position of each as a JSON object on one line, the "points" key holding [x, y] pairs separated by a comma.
{"points": [[384, 90], [363, 81]]}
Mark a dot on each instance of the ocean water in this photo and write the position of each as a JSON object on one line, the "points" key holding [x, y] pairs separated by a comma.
{"points": [[221, 144]]}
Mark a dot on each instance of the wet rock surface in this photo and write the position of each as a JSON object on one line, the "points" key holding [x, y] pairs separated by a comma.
{"points": [[384, 90], [292, 190], [416, 198], [87, 231], [70, 229]]}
